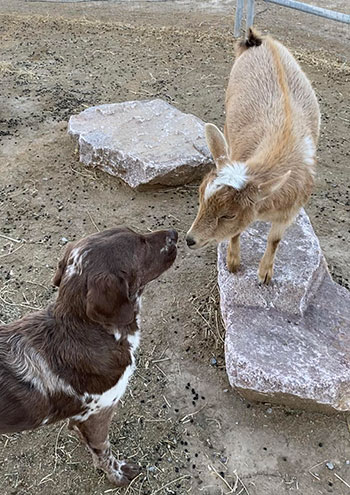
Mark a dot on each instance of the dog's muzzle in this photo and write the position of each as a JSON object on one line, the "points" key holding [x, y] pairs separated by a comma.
{"points": [[170, 241]]}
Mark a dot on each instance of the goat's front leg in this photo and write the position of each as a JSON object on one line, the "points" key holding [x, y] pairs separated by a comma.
{"points": [[233, 254], [93, 432], [266, 264]]}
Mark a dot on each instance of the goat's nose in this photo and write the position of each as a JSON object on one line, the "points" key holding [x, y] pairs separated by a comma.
{"points": [[190, 241]]}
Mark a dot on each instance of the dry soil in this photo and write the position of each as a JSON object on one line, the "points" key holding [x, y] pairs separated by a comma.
{"points": [[179, 419]]}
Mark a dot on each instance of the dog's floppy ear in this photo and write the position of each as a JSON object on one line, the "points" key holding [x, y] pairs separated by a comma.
{"points": [[107, 300], [62, 265]]}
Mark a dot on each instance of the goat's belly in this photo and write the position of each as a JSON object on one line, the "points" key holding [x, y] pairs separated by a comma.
{"points": [[279, 216]]}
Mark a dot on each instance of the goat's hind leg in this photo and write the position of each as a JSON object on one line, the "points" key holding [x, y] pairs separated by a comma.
{"points": [[265, 271], [93, 432]]}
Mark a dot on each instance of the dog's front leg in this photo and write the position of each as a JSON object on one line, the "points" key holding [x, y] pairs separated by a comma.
{"points": [[93, 432]]}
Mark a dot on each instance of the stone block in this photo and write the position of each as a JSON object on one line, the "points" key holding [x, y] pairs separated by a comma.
{"points": [[145, 143], [288, 343]]}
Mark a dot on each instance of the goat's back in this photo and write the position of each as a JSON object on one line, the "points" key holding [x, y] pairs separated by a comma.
{"points": [[265, 83]]}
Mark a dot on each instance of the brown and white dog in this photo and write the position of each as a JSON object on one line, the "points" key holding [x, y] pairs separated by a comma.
{"points": [[74, 359], [265, 161]]}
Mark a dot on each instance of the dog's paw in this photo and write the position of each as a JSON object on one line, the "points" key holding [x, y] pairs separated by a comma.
{"points": [[129, 470], [122, 472]]}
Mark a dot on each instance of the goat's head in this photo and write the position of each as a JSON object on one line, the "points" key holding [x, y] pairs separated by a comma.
{"points": [[228, 196]]}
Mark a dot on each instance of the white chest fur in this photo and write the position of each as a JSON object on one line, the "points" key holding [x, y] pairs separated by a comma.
{"points": [[94, 402]]}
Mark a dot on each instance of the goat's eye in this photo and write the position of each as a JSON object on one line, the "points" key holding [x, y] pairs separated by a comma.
{"points": [[227, 217]]}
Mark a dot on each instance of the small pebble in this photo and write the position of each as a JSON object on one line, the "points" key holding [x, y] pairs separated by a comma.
{"points": [[64, 240], [269, 410], [213, 361], [330, 465], [152, 469]]}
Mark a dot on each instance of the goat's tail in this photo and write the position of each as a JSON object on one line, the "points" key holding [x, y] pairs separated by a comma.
{"points": [[253, 39]]}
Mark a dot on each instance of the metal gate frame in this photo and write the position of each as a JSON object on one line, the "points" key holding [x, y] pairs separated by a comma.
{"points": [[292, 4]]}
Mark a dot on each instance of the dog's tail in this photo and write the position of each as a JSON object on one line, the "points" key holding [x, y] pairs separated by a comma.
{"points": [[253, 39]]}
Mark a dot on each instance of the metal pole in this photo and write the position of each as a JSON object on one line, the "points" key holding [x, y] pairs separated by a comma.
{"points": [[250, 13], [311, 9], [238, 18]]}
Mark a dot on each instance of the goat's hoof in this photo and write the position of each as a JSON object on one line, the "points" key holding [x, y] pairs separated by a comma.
{"points": [[233, 265], [265, 276], [122, 473]]}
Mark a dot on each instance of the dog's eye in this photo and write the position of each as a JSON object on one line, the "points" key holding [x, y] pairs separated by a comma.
{"points": [[227, 217]]}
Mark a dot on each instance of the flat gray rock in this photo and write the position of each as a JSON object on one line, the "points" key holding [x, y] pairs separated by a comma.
{"points": [[298, 270], [142, 142], [288, 343]]}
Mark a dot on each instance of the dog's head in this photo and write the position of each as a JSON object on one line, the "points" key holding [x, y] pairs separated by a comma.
{"points": [[102, 275]]}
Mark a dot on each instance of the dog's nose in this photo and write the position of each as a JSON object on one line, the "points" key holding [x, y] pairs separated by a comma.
{"points": [[190, 241], [172, 236]]}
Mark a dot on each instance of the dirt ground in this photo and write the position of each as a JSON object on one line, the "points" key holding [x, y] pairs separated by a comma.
{"points": [[179, 419]]}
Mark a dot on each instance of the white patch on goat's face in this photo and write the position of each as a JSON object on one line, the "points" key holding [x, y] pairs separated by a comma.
{"points": [[95, 402], [309, 150], [232, 175], [75, 262]]}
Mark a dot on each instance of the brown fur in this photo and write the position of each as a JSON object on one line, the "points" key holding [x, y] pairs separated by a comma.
{"points": [[272, 126], [55, 363]]}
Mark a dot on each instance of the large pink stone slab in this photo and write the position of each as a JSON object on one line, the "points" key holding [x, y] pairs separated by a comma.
{"points": [[142, 142], [288, 343]]}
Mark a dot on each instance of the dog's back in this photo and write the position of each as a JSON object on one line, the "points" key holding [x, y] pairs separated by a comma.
{"points": [[16, 412], [30, 389]]}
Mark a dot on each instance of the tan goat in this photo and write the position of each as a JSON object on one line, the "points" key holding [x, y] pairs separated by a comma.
{"points": [[265, 163]]}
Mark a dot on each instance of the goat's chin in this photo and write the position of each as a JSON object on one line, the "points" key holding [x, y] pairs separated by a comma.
{"points": [[199, 245]]}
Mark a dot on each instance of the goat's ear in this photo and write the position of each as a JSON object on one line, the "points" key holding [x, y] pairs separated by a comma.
{"points": [[271, 186], [62, 265], [217, 145], [107, 300]]}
